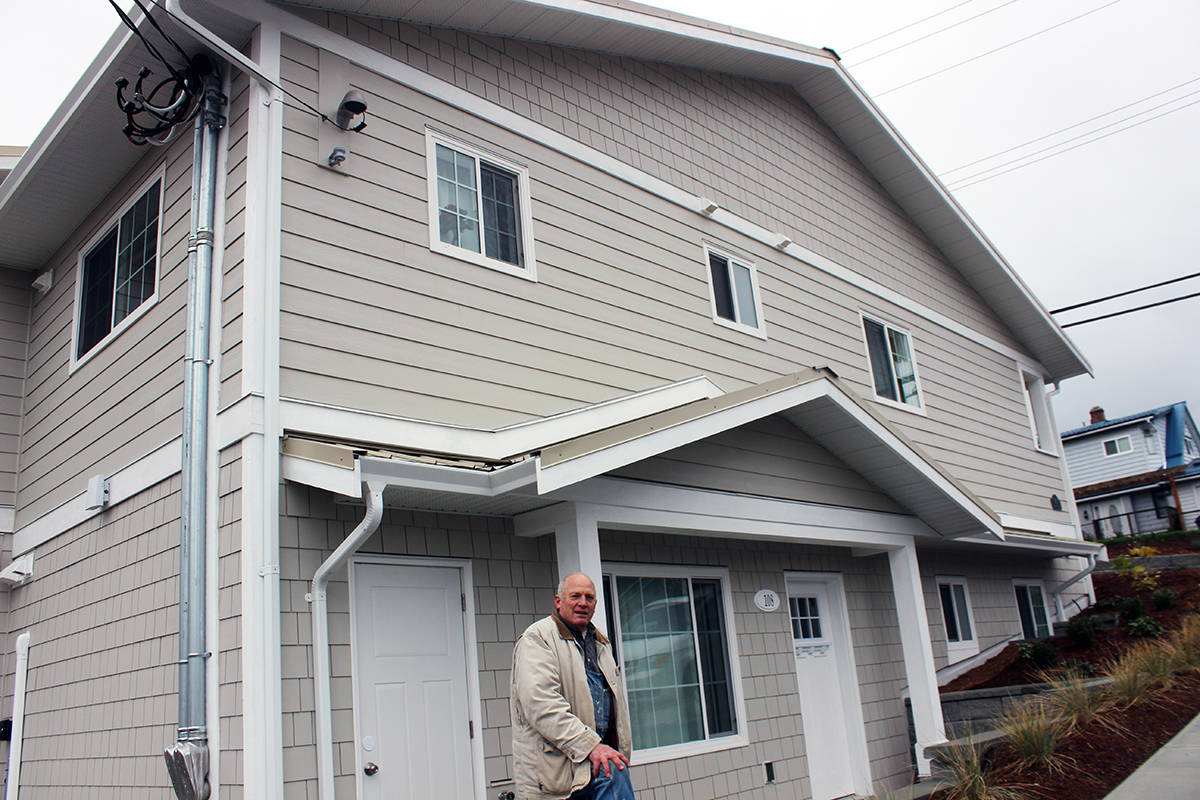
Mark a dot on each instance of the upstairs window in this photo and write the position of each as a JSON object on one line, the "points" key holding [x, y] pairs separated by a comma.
{"points": [[118, 273], [479, 207], [733, 284], [892, 365], [1122, 444]]}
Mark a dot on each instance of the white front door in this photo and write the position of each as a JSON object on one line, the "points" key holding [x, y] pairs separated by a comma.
{"points": [[410, 659], [834, 738]]}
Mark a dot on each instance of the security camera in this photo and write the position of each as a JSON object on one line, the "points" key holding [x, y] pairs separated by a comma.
{"points": [[351, 106]]}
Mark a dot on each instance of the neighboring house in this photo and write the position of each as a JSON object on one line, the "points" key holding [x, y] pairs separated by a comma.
{"points": [[1136, 474], [598, 287]]}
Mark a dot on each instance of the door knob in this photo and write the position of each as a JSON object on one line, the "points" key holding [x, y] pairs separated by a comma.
{"points": [[371, 768]]}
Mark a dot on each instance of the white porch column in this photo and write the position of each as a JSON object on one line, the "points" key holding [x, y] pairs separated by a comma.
{"points": [[918, 653], [577, 540]]}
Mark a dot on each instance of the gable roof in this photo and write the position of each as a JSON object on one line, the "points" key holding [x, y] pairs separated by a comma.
{"points": [[81, 155]]}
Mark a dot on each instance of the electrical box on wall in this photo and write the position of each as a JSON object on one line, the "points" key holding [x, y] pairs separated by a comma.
{"points": [[97, 493]]}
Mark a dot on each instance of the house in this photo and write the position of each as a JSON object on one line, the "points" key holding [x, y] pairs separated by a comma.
{"points": [[1135, 474], [597, 287]]}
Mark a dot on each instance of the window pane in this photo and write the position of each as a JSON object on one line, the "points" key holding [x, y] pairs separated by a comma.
{"points": [[906, 377], [500, 213], [1025, 610], [964, 615], [137, 247], [743, 282], [714, 656], [458, 201], [96, 293], [948, 612], [445, 162], [1042, 625], [722, 292], [881, 362]]}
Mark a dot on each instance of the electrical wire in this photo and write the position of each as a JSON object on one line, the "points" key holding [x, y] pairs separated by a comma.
{"points": [[1131, 310], [996, 49], [1075, 125], [1125, 293], [909, 25], [964, 185], [934, 33]]}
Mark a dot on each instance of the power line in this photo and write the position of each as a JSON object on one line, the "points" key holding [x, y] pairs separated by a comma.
{"points": [[934, 33], [1131, 310], [964, 185], [909, 25], [1075, 125], [997, 49], [1125, 293]]}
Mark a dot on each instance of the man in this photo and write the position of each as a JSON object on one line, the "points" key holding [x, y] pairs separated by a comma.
{"points": [[570, 719]]}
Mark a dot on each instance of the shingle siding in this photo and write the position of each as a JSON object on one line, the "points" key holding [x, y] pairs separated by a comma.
{"points": [[16, 297], [229, 622], [102, 614]]}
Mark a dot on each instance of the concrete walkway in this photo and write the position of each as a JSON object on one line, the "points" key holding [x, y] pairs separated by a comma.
{"points": [[1172, 772]]}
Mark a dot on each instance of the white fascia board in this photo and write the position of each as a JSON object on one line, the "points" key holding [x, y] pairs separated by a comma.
{"points": [[1063, 530], [1019, 542], [150, 469], [599, 462], [495, 444], [442, 91], [435, 477], [635, 496], [339, 480]]}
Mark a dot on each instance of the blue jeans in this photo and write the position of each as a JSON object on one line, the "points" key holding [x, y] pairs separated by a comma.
{"points": [[614, 787]]}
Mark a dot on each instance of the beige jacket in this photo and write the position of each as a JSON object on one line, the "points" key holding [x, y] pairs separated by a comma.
{"points": [[553, 722]]}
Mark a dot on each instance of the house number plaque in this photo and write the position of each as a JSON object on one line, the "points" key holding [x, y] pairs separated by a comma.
{"points": [[766, 600]]}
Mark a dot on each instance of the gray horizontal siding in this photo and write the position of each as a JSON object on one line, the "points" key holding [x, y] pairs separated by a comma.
{"points": [[770, 457], [372, 319], [1089, 464], [125, 400], [15, 300]]}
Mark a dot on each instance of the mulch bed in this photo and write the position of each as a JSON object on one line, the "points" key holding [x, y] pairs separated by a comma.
{"points": [[1097, 757], [1174, 546]]}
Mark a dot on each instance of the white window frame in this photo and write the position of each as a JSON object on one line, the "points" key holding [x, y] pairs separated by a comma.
{"points": [[963, 648], [528, 269], [919, 407], [708, 745], [736, 324], [1037, 408], [102, 231], [1117, 445], [1033, 584]]}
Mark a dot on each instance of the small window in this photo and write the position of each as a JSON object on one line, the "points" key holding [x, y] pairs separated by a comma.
{"points": [[733, 283], [1031, 608], [479, 207], [892, 364], [956, 616], [674, 637], [1117, 446], [1038, 410], [118, 273]]}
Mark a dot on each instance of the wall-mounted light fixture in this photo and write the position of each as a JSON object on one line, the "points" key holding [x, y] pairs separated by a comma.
{"points": [[353, 104]]}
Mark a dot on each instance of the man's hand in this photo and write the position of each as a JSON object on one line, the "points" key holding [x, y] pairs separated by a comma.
{"points": [[602, 756]]}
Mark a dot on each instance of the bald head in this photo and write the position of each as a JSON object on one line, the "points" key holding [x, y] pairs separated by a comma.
{"points": [[575, 600]]}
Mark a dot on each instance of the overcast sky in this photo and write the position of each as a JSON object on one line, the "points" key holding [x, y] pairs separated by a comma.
{"points": [[990, 76]]}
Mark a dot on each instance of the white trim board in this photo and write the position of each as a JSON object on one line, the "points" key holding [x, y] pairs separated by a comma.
{"points": [[427, 84], [499, 443], [1064, 530]]}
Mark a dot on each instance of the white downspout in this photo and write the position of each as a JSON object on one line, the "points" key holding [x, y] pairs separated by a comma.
{"points": [[18, 718], [320, 626]]}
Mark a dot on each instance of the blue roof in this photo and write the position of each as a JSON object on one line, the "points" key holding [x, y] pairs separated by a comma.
{"points": [[1109, 423]]}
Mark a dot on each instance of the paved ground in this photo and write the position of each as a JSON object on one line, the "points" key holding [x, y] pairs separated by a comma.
{"points": [[1173, 772]]}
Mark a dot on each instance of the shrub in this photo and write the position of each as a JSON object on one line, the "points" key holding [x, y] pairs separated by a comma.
{"points": [[1131, 608], [1144, 627], [1145, 551], [1143, 579], [1122, 562], [1082, 629], [1041, 654], [970, 774], [1165, 598], [1033, 731], [1071, 699], [1074, 668]]}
